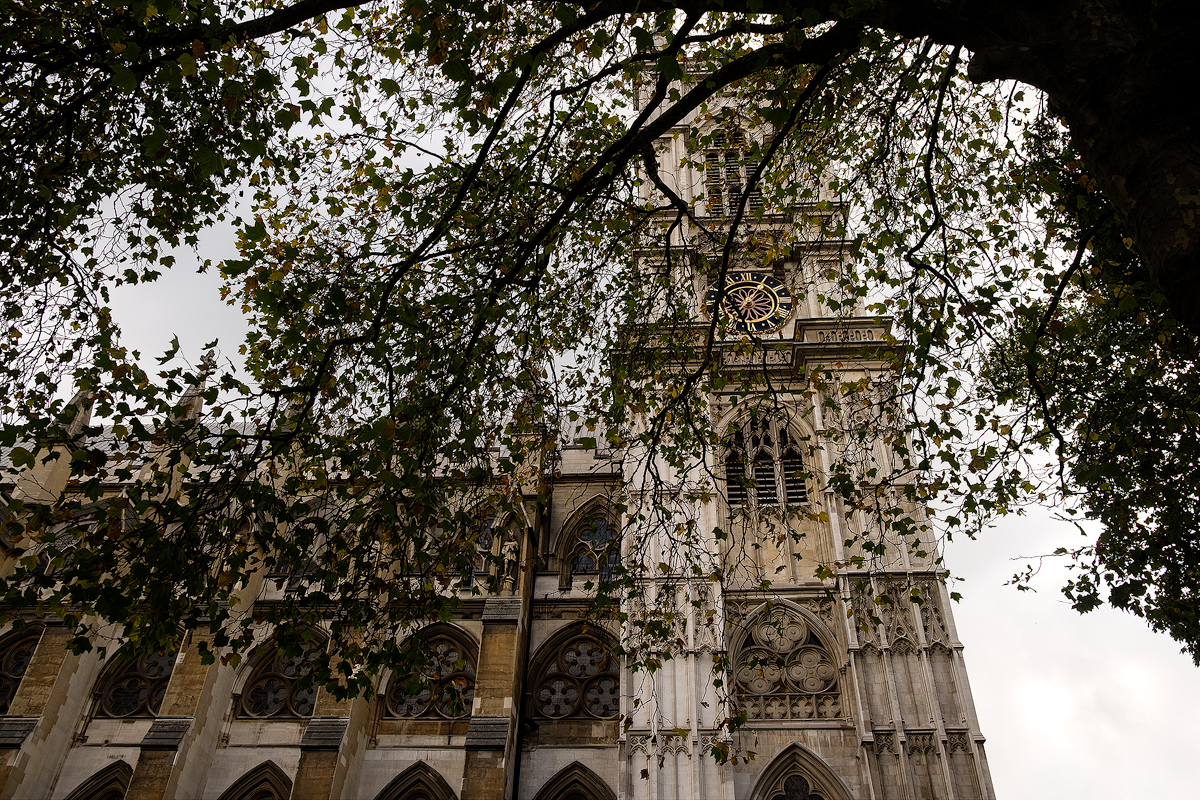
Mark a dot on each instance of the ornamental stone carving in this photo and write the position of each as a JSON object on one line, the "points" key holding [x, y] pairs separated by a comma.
{"points": [[783, 672], [581, 679]]}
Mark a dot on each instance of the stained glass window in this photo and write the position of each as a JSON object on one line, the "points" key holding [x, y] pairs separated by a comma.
{"points": [[135, 687], [274, 689], [446, 686]]}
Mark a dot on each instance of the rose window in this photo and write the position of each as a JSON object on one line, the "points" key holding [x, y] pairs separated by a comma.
{"points": [[784, 672], [135, 687], [583, 679], [275, 689], [445, 686]]}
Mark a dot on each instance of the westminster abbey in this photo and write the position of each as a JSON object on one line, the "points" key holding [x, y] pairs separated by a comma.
{"points": [[834, 709]]}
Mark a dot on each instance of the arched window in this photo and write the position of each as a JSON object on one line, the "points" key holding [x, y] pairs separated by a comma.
{"points": [[110, 783], [597, 550], [135, 687], [274, 689], [575, 782], [577, 675], [590, 546], [796, 773], [16, 651], [418, 782], [445, 687], [782, 670], [763, 467], [265, 782]]}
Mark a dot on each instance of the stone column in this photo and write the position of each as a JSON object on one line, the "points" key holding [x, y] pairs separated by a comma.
{"points": [[37, 733], [492, 746], [178, 748], [332, 745]]}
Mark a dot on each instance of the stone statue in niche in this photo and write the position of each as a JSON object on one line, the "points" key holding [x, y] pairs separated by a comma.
{"points": [[509, 552]]}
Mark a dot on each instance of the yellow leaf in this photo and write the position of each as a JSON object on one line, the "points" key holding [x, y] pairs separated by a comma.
{"points": [[188, 63]]}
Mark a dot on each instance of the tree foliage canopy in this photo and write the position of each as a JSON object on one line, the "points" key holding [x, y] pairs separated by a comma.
{"points": [[445, 220]]}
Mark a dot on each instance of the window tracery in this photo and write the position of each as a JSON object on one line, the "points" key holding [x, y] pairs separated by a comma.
{"points": [[135, 687], [796, 787], [15, 655], [764, 466], [784, 672], [582, 678], [275, 687], [590, 546], [596, 551], [445, 687]]}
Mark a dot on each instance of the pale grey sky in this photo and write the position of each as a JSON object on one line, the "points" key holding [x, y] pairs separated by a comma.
{"points": [[1090, 707]]}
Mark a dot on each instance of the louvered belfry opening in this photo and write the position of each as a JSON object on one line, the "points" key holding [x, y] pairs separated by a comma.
{"points": [[763, 467], [727, 170]]}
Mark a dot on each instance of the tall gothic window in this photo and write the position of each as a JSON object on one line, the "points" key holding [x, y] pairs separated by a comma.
{"points": [[782, 671], [135, 687], [727, 169], [446, 686], [16, 651], [577, 677], [764, 467], [274, 689], [597, 550]]}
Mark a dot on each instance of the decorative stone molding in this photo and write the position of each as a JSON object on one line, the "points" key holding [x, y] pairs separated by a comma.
{"points": [[821, 609], [676, 745], [957, 740], [783, 671], [922, 743], [885, 743]]}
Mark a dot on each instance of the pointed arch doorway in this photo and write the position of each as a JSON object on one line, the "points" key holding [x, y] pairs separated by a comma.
{"points": [[575, 782]]}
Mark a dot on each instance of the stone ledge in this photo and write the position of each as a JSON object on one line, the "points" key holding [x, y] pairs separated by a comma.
{"points": [[13, 731], [166, 734], [487, 733], [324, 733], [502, 609]]}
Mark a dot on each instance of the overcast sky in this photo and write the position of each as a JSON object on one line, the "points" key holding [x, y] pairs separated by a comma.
{"points": [[1093, 706]]}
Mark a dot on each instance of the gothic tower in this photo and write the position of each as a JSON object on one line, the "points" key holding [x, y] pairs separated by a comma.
{"points": [[852, 684]]}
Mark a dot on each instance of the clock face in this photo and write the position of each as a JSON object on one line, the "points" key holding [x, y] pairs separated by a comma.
{"points": [[753, 303]]}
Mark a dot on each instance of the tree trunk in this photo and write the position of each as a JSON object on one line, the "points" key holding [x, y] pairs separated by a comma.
{"points": [[1123, 75]]}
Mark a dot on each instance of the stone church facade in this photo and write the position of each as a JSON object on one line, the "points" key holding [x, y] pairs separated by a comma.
{"points": [[834, 710]]}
